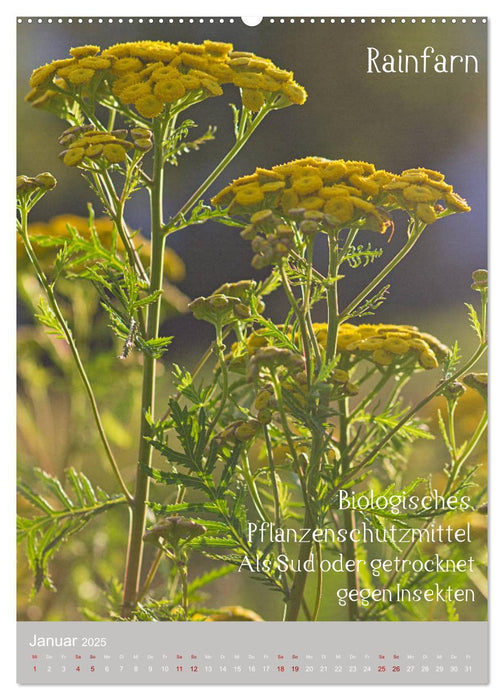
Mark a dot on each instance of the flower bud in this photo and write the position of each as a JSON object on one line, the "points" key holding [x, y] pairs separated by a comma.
{"points": [[46, 180], [265, 416], [308, 227], [174, 529], [454, 391]]}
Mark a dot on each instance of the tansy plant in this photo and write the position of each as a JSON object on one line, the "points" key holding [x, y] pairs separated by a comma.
{"points": [[276, 420]]}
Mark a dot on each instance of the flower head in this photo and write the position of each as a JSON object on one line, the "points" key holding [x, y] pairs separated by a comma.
{"points": [[317, 194], [153, 74], [84, 145]]}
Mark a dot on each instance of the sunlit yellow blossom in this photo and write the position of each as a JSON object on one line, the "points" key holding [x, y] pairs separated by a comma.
{"points": [[273, 186], [146, 63], [278, 73], [454, 201], [149, 106], [248, 80], [217, 47], [307, 184], [366, 184], [133, 92], [94, 62], [80, 75], [114, 153], [426, 213], [382, 357], [312, 203], [194, 60], [190, 82], [40, 75], [420, 193], [253, 99], [341, 208], [73, 156], [249, 194], [428, 359], [94, 150], [123, 82], [211, 86], [162, 72], [294, 92], [81, 51], [169, 90], [127, 65]]}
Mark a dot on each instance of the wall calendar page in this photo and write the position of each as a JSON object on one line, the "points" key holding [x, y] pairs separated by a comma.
{"points": [[251, 361]]}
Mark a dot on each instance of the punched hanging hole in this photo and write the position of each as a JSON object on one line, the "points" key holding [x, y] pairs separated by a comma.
{"points": [[251, 21]]}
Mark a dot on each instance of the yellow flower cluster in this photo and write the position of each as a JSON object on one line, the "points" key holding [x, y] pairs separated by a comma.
{"points": [[57, 228], [320, 192], [420, 190], [387, 344], [85, 142], [148, 75]]}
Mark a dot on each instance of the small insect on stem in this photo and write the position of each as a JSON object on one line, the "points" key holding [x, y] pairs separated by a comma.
{"points": [[129, 342]]}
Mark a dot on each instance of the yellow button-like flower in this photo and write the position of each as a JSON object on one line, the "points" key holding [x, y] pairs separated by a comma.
{"points": [[79, 76], [252, 99], [249, 194], [82, 51], [426, 213], [94, 62], [247, 79], [133, 92], [382, 357], [420, 193], [397, 346], [128, 64], [149, 107], [341, 208], [73, 156], [428, 359], [114, 153], [307, 184], [169, 90]]}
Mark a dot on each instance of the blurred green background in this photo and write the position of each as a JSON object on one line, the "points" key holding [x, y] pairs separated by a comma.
{"points": [[396, 121]]}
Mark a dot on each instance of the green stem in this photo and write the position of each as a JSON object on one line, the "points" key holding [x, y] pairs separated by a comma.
{"points": [[239, 143], [135, 544], [462, 458], [150, 575], [254, 493], [369, 397], [349, 515], [318, 593], [302, 325], [416, 230], [23, 229], [435, 392], [332, 299], [276, 500]]}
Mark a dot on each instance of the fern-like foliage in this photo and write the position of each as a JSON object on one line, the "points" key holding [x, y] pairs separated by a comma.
{"points": [[57, 519], [359, 255]]}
